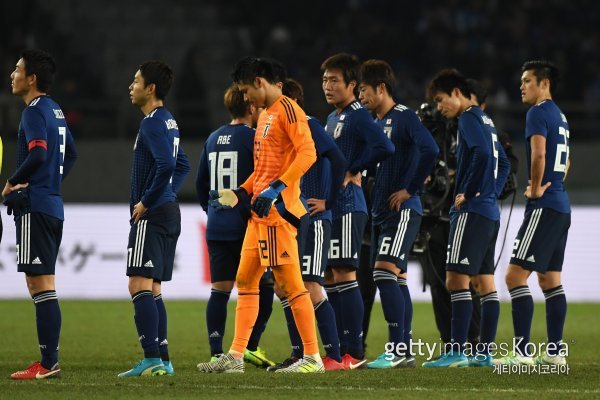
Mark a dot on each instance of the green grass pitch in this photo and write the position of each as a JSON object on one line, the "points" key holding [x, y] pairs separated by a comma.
{"points": [[99, 340]]}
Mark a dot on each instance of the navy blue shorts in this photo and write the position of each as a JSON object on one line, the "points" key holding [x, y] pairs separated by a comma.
{"points": [[152, 243], [224, 259], [541, 241], [38, 240], [314, 257], [346, 240], [471, 244], [395, 236]]}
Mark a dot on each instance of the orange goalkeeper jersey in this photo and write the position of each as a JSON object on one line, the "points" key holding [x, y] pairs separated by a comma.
{"points": [[283, 149]]}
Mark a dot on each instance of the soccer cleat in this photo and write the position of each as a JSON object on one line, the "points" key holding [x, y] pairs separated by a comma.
{"points": [[545, 359], [284, 364], [331, 365], [409, 362], [481, 360], [448, 360], [353, 363], [37, 371], [305, 365], [386, 361], [258, 357], [514, 359], [226, 363], [146, 367], [169, 368]]}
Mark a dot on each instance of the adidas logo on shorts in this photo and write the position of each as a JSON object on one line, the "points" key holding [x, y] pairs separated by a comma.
{"points": [[531, 258], [402, 256], [149, 264], [36, 261], [285, 254], [465, 261]]}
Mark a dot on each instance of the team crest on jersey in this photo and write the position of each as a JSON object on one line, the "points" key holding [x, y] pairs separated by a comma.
{"points": [[388, 121], [266, 131], [337, 132], [342, 117]]}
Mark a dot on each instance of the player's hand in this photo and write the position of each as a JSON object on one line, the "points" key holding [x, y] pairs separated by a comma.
{"points": [[397, 198], [355, 179], [265, 200], [222, 199], [532, 195], [138, 211], [9, 187], [459, 200], [17, 202], [315, 206]]}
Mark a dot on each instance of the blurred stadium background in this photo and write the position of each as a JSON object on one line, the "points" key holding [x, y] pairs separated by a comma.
{"points": [[98, 46]]}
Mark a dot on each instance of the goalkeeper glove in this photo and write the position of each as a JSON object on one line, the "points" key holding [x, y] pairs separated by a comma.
{"points": [[17, 202], [265, 200], [226, 199]]}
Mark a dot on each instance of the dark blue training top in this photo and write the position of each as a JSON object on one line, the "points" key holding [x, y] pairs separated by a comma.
{"points": [[159, 163], [324, 179], [226, 162], [363, 144], [43, 127], [411, 163], [547, 120], [482, 165]]}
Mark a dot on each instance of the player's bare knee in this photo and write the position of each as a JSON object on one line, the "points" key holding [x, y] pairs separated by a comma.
{"points": [[226, 286], [316, 292], [548, 280]]}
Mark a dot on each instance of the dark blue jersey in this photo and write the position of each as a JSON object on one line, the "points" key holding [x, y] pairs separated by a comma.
{"points": [[547, 120], [410, 164], [43, 124], [482, 165], [363, 144], [226, 162], [159, 163], [325, 177]]}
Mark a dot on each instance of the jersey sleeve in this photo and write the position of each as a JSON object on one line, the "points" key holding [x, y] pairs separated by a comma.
{"points": [[428, 151], [296, 125], [34, 124], [182, 169], [535, 122], [156, 139], [473, 135], [377, 146], [326, 148]]}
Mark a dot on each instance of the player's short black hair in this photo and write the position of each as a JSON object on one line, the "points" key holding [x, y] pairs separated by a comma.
{"points": [[376, 72], [42, 65], [347, 63], [446, 81], [157, 73], [234, 102], [543, 69], [478, 89], [248, 69], [293, 89]]}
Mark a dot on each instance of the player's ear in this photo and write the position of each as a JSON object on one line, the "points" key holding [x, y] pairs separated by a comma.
{"points": [[456, 92], [151, 88]]}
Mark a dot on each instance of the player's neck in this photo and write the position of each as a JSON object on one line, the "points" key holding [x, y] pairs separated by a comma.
{"points": [[386, 105], [32, 94], [240, 121], [542, 98], [272, 94], [151, 105], [340, 106]]}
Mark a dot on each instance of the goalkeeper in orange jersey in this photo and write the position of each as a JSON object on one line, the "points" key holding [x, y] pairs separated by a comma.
{"points": [[283, 151]]}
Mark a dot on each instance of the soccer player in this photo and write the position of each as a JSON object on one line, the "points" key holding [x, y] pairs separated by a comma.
{"points": [[227, 160], [482, 168], [542, 238], [283, 151], [159, 168], [319, 187], [396, 211], [45, 155], [363, 144]]}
